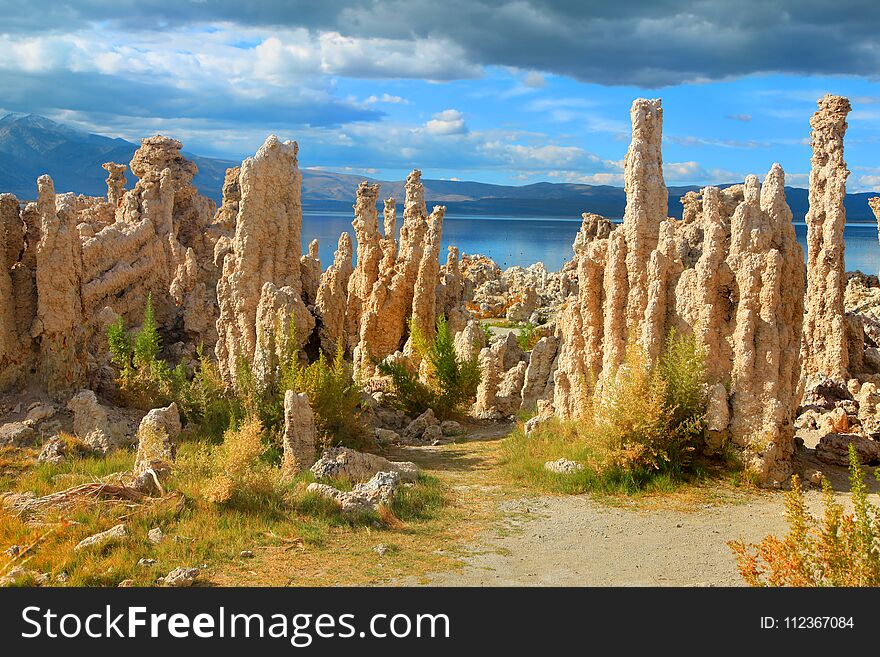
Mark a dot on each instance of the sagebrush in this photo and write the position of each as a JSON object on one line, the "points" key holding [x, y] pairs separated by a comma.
{"points": [[838, 549]]}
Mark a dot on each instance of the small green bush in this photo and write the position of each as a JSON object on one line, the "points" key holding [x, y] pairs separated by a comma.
{"points": [[527, 336], [333, 396], [145, 381], [450, 384], [638, 431]]}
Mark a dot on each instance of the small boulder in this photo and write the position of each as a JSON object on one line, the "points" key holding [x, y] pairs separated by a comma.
{"points": [[834, 448], [451, 428], [432, 433], [156, 438], [365, 497], [563, 466], [103, 538], [17, 434], [359, 466], [156, 535], [180, 577], [417, 427], [387, 437], [39, 411]]}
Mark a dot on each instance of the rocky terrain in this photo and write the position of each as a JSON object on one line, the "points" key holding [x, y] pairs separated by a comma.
{"points": [[794, 350]]}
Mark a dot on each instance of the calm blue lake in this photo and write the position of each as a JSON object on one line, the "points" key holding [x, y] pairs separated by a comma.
{"points": [[525, 240]]}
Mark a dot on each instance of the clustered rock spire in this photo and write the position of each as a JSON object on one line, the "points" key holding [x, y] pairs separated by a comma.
{"points": [[730, 272]]}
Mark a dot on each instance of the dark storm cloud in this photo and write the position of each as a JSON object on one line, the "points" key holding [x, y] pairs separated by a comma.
{"points": [[648, 43]]}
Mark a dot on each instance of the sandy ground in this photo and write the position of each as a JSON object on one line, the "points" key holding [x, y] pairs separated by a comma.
{"points": [[549, 540], [575, 541]]}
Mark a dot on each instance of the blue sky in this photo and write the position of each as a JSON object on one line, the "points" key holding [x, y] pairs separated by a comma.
{"points": [[499, 91]]}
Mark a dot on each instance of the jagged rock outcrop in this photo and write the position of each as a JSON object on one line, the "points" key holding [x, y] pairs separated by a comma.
{"points": [[874, 204], [310, 271], [538, 382], [730, 272], [115, 182], [451, 300], [59, 322], [825, 331], [503, 368], [369, 254], [646, 203], [406, 284], [101, 427], [331, 297], [364, 497], [300, 436], [469, 341], [266, 249], [156, 435], [283, 325], [14, 335]]}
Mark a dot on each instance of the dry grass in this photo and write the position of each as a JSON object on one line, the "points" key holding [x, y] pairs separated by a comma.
{"points": [[292, 532]]}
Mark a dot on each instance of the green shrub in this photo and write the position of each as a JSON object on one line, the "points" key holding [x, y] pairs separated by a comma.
{"points": [[651, 418], [638, 430], [450, 383], [333, 396], [527, 336], [145, 380], [839, 550]]}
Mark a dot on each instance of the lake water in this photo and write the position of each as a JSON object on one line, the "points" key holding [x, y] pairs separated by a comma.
{"points": [[522, 241]]}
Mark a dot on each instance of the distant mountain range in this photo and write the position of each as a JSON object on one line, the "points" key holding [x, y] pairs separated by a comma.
{"points": [[31, 145]]}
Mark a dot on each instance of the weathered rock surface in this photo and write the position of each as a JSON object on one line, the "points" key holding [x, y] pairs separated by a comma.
{"points": [[101, 427], [563, 466], [300, 436], [730, 272], [157, 434], [331, 297], [266, 249], [364, 497], [834, 448], [825, 334], [359, 466], [101, 539]]}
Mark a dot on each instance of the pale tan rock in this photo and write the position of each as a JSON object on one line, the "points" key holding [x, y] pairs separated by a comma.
{"points": [[538, 382], [283, 325], [310, 270], [300, 436], [59, 322], [330, 302], [502, 375], [266, 249], [581, 329], [359, 466], [825, 338], [115, 182], [364, 497], [424, 304], [646, 202], [451, 299], [369, 254], [101, 427], [156, 435], [100, 540], [730, 272], [766, 262], [469, 341], [383, 325]]}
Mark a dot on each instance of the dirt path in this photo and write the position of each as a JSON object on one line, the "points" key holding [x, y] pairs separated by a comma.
{"points": [[544, 540]]}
